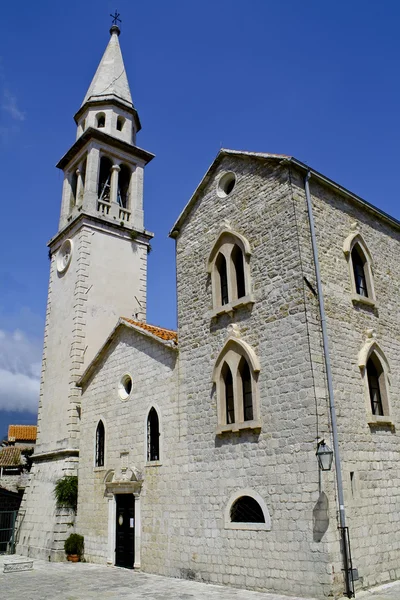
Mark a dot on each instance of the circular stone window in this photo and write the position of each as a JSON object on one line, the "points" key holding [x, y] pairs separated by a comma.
{"points": [[226, 184], [125, 386], [64, 256]]}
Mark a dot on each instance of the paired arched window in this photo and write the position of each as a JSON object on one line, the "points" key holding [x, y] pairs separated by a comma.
{"points": [[375, 370], [100, 444], [235, 377], [153, 436], [247, 510], [360, 266], [228, 265]]}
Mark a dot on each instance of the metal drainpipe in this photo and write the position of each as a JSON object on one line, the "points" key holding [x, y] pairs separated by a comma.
{"points": [[338, 470]]}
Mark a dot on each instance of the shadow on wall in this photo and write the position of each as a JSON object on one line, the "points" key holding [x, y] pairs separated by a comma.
{"points": [[320, 517]]}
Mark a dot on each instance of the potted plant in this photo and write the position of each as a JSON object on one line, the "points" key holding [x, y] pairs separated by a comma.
{"points": [[73, 547], [66, 492]]}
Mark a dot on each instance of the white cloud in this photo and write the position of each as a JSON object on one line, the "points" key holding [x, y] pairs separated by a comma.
{"points": [[20, 358], [9, 105]]}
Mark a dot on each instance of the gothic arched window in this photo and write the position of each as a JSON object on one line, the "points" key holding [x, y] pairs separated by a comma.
{"points": [[100, 443], [153, 436], [229, 267], [375, 376], [235, 376], [375, 371], [360, 266], [360, 279]]}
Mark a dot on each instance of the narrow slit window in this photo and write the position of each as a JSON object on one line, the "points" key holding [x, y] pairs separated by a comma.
{"points": [[245, 376], [223, 277], [374, 373], [100, 440], [153, 436], [359, 272], [237, 259]]}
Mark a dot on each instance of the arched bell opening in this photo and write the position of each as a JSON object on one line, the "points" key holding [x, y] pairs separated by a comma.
{"points": [[104, 185], [124, 180]]}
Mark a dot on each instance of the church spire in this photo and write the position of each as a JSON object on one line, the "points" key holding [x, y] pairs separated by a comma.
{"points": [[110, 81]]}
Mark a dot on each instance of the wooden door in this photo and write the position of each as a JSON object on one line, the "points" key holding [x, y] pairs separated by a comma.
{"points": [[125, 531]]}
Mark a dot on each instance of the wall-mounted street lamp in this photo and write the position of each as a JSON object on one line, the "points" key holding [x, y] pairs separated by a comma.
{"points": [[325, 456]]}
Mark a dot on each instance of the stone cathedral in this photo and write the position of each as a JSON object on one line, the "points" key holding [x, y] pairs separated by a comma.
{"points": [[195, 449]]}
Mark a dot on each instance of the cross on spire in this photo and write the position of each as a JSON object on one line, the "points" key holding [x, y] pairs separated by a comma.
{"points": [[115, 18]]}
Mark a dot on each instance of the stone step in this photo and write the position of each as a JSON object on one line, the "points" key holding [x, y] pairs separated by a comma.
{"points": [[21, 565]]}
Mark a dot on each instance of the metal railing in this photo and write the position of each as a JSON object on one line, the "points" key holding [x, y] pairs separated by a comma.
{"points": [[7, 531]]}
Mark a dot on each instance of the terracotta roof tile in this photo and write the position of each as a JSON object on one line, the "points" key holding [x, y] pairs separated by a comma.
{"points": [[10, 456], [164, 334], [22, 433]]}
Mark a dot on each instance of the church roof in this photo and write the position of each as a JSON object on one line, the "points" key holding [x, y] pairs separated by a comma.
{"points": [[277, 157], [161, 332], [167, 337], [22, 433], [110, 78]]}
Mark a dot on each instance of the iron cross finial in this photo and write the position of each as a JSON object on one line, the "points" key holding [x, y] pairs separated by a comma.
{"points": [[115, 18]]}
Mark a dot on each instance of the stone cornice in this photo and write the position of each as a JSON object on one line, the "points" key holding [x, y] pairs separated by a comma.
{"points": [[95, 134], [114, 228], [54, 454]]}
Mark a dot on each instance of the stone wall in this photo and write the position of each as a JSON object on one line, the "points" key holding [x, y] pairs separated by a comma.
{"points": [[151, 365], [278, 463], [370, 453]]}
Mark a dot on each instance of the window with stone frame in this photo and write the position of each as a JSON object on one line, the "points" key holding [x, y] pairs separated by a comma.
{"points": [[247, 510], [375, 372], [236, 385], [229, 267], [360, 267], [100, 444]]}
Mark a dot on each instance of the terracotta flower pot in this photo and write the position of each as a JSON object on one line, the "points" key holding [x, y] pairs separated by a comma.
{"points": [[73, 557]]}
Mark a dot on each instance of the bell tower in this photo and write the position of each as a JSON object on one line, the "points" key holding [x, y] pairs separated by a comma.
{"points": [[97, 274]]}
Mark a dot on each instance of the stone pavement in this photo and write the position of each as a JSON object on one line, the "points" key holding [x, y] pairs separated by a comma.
{"points": [[83, 581]]}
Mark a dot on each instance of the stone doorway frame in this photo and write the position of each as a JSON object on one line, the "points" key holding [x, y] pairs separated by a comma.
{"points": [[112, 489]]}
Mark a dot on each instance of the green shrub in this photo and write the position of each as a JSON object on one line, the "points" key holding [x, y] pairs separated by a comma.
{"points": [[66, 492], [74, 544]]}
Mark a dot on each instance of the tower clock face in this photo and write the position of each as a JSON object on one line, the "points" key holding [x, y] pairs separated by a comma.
{"points": [[64, 256]]}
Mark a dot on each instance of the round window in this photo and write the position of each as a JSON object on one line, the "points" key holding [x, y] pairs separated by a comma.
{"points": [[64, 256], [226, 184], [125, 386]]}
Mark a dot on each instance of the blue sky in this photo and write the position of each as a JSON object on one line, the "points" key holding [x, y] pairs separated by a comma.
{"points": [[317, 80]]}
